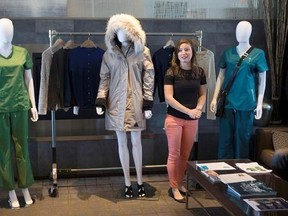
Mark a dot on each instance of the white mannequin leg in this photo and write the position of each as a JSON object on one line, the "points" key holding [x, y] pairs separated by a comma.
{"points": [[137, 154], [124, 155], [13, 199], [27, 197]]}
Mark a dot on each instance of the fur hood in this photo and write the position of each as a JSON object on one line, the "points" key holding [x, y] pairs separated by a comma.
{"points": [[131, 26]]}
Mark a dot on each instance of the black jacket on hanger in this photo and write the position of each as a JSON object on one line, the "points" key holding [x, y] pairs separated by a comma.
{"points": [[161, 60]]}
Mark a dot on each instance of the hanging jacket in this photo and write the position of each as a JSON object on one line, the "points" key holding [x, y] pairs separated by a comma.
{"points": [[126, 79]]}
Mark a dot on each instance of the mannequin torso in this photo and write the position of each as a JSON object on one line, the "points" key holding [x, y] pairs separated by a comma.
{"points": [[6, 48], [125, 45]]}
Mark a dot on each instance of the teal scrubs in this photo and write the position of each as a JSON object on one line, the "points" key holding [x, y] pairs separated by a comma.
{"points": [[237, 123], [14, 106]]}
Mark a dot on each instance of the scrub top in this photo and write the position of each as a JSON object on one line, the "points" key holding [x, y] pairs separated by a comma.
{"points": [[242, 95], [13, 92]]}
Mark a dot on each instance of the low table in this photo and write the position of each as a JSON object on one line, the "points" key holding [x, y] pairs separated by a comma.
{"points": [[234, 205]]}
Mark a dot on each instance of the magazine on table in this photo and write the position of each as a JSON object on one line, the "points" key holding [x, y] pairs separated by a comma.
{"points": [[268, 204], [249, 189], [253, 167], [215, 166]]}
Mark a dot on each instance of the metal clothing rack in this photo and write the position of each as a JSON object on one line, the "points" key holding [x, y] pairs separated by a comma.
{"points": [[53, 191], [198, 34]]}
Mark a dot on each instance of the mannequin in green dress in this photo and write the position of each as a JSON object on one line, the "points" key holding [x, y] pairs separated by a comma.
{"points": [[17, 97]]}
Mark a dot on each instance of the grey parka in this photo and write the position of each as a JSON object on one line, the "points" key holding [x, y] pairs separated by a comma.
{"points": [[126, 80]]}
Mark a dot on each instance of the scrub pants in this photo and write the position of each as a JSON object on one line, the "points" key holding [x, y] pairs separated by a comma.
{"points": [[235, 133], [14, 130]]}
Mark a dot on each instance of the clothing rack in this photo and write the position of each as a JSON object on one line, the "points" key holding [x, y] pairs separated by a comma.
{"points": [[198, 34], [53, 191]]}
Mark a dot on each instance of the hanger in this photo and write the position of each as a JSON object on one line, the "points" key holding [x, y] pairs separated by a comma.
{"points": [[70, 44], [169, 43], [58, 42], [202, 48], [88, 43]]}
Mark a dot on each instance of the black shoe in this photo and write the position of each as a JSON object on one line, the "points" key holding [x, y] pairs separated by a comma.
{"points": [[141, 190], [184, 193], [128, 191], [170, 193]]}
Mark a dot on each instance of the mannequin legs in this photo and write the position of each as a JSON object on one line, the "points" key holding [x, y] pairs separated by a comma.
{"points": [[13, 200], [137, 154], [124, 155], [27, 197], [125, 160]]}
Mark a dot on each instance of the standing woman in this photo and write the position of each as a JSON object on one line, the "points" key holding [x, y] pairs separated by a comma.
{"points": [[185, 94]]}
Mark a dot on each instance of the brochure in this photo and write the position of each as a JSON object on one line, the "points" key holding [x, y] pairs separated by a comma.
{"points": [[215, 166], [249, 189], [268, 204], [235, 177], [253, 167]]}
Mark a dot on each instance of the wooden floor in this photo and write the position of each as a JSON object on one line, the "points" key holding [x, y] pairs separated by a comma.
{"points": [[103, 196]]}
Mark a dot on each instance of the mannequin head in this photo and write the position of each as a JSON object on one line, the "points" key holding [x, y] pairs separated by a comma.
{"points": [[122, 36], [6, 30], [243, 31]]}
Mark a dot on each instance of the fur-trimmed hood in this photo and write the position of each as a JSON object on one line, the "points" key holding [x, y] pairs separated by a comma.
{"points": [[132, 28]]}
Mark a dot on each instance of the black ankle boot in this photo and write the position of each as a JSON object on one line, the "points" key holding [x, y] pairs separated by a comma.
{"points": [[141, 190], [128, 191]]}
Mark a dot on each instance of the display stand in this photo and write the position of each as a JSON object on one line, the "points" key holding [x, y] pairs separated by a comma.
{"points": [[53, 191]]}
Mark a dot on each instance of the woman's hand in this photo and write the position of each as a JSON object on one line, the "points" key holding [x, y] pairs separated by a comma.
{"points": [[194, 113]]}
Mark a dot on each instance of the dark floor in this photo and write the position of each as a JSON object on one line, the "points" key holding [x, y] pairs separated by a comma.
{"points": [[103, 196]]}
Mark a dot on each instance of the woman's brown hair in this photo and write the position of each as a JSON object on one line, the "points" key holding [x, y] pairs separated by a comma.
{"points": [[175, 68]]}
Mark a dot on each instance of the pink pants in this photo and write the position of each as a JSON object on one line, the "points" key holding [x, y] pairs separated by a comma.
{"points": [[181, 136]]}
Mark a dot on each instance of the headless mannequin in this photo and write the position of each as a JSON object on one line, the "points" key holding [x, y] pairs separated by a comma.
{"points": [[243, 33], [135, 135], [6, 35]]}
